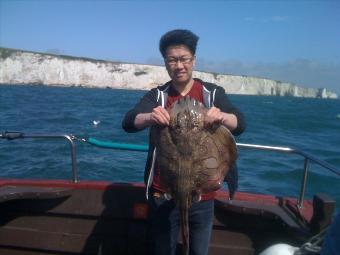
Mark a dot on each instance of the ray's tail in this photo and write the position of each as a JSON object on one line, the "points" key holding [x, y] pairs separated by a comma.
{"points": [[184, 210]]}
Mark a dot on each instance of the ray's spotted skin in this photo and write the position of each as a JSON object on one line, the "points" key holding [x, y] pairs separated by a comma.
{"points": [[194, 157]]}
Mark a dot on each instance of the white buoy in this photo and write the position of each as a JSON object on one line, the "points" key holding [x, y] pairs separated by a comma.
{"points": [[280, 249]]}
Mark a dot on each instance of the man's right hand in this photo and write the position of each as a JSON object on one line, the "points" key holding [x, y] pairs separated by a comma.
{"points": [[158, 116]]}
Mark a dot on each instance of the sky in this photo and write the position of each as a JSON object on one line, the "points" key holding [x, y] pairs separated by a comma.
{"points": [[286, 40]]}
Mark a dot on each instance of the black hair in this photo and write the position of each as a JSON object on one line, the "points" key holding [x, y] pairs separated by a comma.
{"points": [[178, 37]]}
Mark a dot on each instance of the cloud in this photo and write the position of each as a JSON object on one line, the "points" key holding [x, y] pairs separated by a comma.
{"points": [[278, 18], [302, 72], [275, 18]]}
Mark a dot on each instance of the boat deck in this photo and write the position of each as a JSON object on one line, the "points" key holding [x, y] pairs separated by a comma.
{"points": [[91, 217]]}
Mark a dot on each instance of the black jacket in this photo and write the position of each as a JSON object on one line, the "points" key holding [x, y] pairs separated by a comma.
{"points": [[213, 95]]}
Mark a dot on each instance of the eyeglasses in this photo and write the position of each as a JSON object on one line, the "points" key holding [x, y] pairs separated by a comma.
{"points": [[185, 60]]}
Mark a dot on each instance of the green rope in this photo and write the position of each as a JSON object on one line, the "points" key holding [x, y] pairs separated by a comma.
{"points": [[118, 146]]}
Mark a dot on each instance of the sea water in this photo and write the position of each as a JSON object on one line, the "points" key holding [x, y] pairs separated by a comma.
{"points": [[311, 125]]}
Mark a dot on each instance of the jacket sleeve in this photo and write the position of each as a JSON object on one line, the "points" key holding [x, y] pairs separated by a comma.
{"points": [[145, 105], [223, 103]]}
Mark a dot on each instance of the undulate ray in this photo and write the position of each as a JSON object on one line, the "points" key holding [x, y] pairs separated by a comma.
{"points": [[193, 158]]}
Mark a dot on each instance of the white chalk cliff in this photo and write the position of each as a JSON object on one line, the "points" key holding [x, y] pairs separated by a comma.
{"points": [[23, 67]]}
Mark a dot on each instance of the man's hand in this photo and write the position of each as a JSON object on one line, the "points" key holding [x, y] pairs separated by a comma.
{"points": [[160, 116], [215, 116]]}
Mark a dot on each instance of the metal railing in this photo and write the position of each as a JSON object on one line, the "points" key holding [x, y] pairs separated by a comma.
{"points": [[307, 159], [124, 146], [69, 138]]}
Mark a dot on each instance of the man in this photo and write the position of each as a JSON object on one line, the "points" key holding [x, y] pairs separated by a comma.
{"points": [[178, 48], [331, 244]]}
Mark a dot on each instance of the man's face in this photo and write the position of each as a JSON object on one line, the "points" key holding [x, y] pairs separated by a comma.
{"points": [[179, 63]]}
